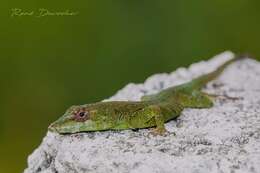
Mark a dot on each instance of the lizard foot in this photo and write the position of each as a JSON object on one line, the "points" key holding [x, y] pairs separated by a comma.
{"points": [[159, 132], [214, 96]]}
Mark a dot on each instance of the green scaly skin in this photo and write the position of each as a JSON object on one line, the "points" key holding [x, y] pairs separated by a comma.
{"points": [[153, 111]]}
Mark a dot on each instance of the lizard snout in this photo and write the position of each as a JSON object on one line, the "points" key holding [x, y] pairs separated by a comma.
{"points": [[52, 127]]}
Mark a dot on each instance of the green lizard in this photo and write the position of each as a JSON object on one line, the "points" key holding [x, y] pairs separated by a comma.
{"points": [[152, 111]]}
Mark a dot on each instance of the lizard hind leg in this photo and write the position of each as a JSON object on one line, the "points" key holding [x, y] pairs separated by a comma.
{"points": [[197, 99], [214, 96]]}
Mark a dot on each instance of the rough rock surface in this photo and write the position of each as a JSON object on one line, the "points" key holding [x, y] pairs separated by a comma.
{"points": [[225, 138]]}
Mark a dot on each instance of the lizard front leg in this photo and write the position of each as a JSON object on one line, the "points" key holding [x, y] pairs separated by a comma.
{"points": [[156, 114]]}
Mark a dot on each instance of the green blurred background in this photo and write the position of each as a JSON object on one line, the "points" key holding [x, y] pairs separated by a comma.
{"points": [[48, 64]]}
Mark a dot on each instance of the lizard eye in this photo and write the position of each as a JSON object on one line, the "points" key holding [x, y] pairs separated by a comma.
{"points": [[81, 115]]}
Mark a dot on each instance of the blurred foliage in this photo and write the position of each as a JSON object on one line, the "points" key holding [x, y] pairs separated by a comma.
{"points": [[48, 64]]}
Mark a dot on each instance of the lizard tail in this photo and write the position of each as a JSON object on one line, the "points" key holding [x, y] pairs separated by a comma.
{"points": [[204, 79]]}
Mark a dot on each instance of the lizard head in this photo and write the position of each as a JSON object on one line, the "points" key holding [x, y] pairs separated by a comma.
{"points": [[80, 118]]}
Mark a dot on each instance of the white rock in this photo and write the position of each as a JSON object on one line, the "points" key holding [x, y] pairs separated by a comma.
{"points": [[225, 138]]}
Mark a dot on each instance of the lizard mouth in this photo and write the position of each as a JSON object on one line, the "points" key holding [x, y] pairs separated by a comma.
{"points": [[64, 126]]}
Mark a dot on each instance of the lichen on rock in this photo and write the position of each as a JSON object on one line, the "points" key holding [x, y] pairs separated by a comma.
{"points": [[225, 138]]}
